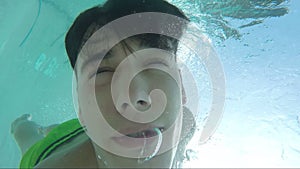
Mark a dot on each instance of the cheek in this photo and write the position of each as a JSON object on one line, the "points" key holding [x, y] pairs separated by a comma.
{"points": [[172, 91], [173, 105], [174, 96], [104, 100], [92, 96]]}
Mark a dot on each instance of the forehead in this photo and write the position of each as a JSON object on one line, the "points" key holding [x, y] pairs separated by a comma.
{"points": [[94, 52], [98, 50], [98, 42]]}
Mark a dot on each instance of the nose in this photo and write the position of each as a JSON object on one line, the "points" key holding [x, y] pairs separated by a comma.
{"points": [[138, 96], [139, 91], [142, 101]]}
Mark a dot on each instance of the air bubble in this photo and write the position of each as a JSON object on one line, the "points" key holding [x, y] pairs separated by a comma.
{"points": [[159, 142]]}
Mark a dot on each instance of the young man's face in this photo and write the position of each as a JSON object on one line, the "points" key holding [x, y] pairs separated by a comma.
{"points": [[151, 70]]}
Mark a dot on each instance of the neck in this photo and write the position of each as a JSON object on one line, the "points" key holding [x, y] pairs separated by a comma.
{"points": [[101, 162]]}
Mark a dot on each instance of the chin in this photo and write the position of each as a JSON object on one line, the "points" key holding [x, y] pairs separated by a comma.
{"points": [[164, 160]]}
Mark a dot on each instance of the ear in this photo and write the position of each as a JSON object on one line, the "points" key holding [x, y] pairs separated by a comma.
{"points": [[184, 99], [187, 132], [188, 124]]}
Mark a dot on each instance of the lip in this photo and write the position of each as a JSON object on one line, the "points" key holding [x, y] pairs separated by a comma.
{"points": [[133, 137]]}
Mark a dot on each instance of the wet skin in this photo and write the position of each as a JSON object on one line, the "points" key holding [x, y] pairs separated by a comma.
{"points": [[83, 152]]}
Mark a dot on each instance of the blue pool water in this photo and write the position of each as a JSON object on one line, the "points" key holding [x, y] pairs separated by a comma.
{"points": [[257, 43]]}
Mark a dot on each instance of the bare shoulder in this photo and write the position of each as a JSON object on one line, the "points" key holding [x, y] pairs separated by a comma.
{"points": [[79, 153]]}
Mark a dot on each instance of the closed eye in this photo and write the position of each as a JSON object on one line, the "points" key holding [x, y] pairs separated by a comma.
{"points": [[105, 70], [157, 62]]}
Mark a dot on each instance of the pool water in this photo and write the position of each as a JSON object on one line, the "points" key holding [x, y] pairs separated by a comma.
{"points": [[257, 43]]}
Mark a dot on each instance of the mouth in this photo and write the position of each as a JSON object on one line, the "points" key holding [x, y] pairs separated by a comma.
{"points": [[146, 133], [132, 138]]}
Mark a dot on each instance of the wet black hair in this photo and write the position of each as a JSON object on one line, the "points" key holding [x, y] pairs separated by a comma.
{"points": [[94, 18]]}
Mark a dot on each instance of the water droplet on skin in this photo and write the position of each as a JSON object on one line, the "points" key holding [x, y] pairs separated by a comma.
{"points": [[104, 162]]}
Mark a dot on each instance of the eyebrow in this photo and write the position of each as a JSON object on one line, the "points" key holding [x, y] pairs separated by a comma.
{"points": [[94, 58]]}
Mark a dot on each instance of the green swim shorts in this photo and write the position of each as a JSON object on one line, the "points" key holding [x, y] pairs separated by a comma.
{"points": [[43, 148]]}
